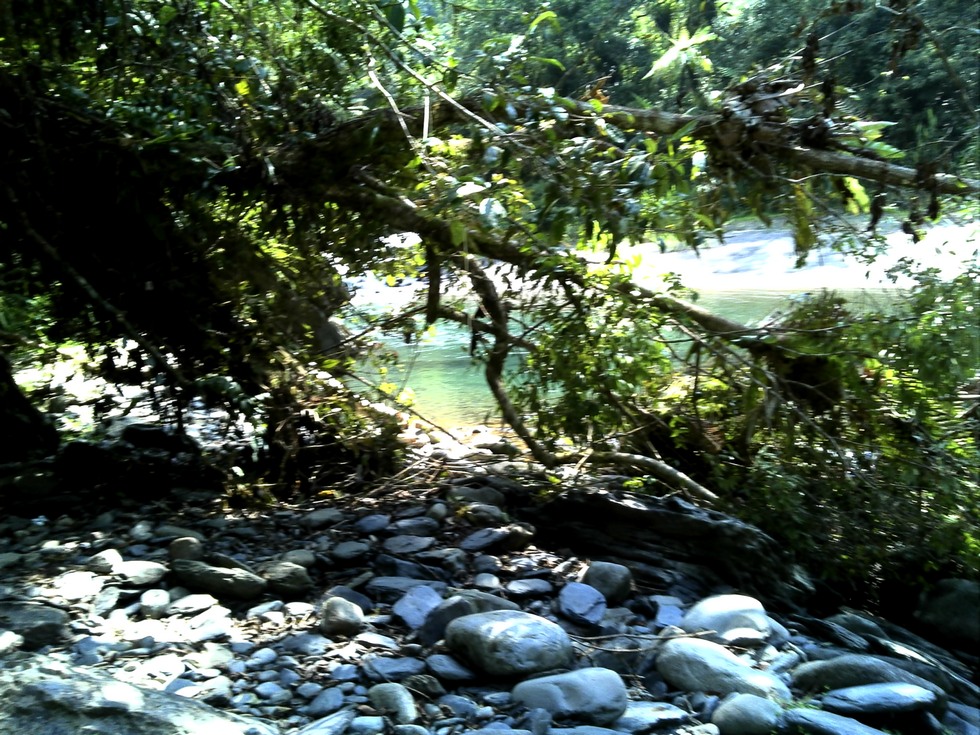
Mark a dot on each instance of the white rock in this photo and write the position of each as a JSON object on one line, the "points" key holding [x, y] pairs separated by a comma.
{"points": [[154, 603], [723, 613]]}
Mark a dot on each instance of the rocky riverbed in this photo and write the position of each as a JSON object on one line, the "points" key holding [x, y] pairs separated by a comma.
{"points": [[456, 598]]}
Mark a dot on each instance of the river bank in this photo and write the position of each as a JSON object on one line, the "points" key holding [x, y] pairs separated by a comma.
{"points": [[747, 277]]}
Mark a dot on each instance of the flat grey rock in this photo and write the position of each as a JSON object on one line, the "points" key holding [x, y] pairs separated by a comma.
{"points": [[590, 696], [888, 697], [581, 603], [817, 722]]}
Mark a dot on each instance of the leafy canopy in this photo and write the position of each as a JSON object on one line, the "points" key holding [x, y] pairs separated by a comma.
{"points": [[200, 178]]}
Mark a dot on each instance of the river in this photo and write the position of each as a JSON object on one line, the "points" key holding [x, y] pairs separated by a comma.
{"points": [[746, 278]]}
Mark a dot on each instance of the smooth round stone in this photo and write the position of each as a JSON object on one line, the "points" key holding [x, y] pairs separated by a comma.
{"points": [[409, 730], [299, 609], [593, 696], [522, 588], [349, 551], [322, 517], [366, 726], [408, 544], [722, 613], [191, 604], [394, 700], [262, 657], [105, 561], [340, 617], [273, 693], [154, 603], [327, 701], [383, 669], [850, 670], [166, 530], [186, 547], [225, 581], [142, 531], [459, 705], [581, 603], [484, 513], [10, 641], [422, 526], [509, 642], [259, 610], [484, 538], [644, 717], [286, 578], [140, 573], [873, 699], [696, 665], [438, 511], [448, 669], [487, 581], [416, 604], [613, 580], [746, 714], [373, 523], [303, 557]]}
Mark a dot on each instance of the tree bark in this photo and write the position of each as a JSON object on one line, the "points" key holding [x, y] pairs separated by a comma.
{"points": [[26, 432]]}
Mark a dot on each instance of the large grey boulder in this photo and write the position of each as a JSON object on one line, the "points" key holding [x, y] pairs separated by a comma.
{"points": [[509, 642], [41, 696], [696, 665], [590, 696]]}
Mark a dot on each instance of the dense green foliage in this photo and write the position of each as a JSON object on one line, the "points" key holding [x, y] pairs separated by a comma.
{"points": [[185, 186]]}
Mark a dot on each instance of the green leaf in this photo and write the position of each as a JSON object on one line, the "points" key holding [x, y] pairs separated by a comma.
{"points": [[549, 15], [859, 200], [167, 13], [458, 233], [546, 60]]}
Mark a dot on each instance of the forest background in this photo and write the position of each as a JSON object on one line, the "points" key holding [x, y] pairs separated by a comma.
{"points": [[187, 186]]}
